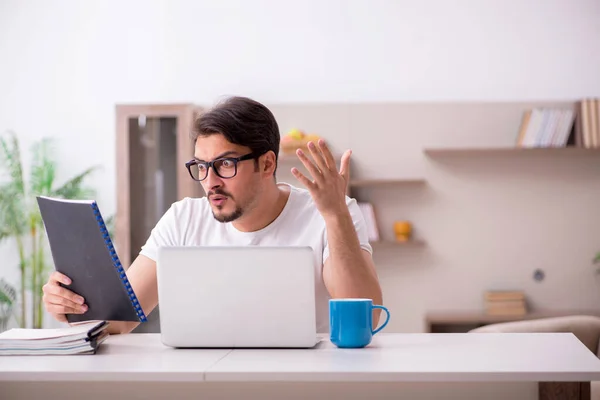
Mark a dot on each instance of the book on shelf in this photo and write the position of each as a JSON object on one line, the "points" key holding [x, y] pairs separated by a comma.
{"points": [[588, 124], [561, 127], [368, 213], [79, 338], [546, 127], [508, 302]]}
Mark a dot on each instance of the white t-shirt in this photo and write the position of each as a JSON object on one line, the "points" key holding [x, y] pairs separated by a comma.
{"points": [[190, 222]]}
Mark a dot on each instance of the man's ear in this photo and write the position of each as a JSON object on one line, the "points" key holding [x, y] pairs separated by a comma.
{"points": [[268, 163]]}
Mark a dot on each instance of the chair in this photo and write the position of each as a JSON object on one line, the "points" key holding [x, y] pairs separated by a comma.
{"points": [[585, 327]]}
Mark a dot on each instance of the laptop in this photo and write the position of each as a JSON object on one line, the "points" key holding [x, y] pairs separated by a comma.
{"points": [[237, 297]]}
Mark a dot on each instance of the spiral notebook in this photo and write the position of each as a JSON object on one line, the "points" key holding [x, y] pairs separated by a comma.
{"points": [[82, 249]]}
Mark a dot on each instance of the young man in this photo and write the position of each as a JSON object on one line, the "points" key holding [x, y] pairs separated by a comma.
{"points": [[235, 159]]}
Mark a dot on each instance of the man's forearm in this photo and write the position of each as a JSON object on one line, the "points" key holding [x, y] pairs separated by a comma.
{"points": [[348, 275]]}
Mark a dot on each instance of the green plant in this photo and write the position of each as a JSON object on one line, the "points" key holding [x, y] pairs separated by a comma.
{"points": [[596, 260], [20, 218], [8, 297]]}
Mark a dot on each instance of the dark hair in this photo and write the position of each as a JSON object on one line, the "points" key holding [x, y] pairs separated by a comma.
{"points": [[242, 121]]}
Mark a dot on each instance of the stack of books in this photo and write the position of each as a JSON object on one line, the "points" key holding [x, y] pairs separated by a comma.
{"points": [[505, 302], [81, 338]]}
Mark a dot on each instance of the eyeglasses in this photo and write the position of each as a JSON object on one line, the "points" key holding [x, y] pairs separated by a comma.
{"points": [[224, 167]]}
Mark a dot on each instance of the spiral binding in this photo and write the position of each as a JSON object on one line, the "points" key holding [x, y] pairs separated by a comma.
{"points": [[117, 264]]}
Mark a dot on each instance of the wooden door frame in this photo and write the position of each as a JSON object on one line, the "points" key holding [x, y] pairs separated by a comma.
{"points": [[185, 114]]}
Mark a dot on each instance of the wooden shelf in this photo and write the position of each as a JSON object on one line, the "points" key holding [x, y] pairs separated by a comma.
{"points": [[290, 159], [357, 183], [491, 151], [389, 244]]}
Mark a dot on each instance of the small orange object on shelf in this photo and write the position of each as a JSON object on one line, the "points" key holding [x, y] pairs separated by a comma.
{"points": [[402, 231]]}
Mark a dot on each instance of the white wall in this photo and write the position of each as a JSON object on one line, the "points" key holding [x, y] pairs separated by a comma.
{"points": [[64, 64]]}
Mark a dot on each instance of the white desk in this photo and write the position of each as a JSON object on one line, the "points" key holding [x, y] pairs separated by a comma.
{"points": [[421, 366]]}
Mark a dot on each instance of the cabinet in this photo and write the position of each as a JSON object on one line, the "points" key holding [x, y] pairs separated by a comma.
{"points": [[152, 146]]}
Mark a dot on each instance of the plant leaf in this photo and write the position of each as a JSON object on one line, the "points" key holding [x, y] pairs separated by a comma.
{"points": [[42, 169], [8, 294], [7, 226], [12, 215], [74, 189], [10, 160], [12, 192]]}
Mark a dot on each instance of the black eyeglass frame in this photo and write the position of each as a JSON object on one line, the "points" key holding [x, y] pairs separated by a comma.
{"points": [[210, 164]]}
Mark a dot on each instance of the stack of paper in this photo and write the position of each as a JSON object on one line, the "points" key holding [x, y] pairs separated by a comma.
{"points": [[81, 338]]}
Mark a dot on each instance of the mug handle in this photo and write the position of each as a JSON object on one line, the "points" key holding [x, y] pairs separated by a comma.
{"points": [[386, 320]]}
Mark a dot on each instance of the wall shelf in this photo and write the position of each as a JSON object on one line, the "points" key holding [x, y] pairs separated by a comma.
{"points": [[390, 244], [357, 183], [493, 151], [289, 159]]}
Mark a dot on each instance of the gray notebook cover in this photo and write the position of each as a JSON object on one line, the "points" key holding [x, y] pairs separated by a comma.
{"points": [[82, 250]]}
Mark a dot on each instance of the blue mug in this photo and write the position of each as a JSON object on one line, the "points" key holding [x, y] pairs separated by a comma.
{"points": [[351, 322]]}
